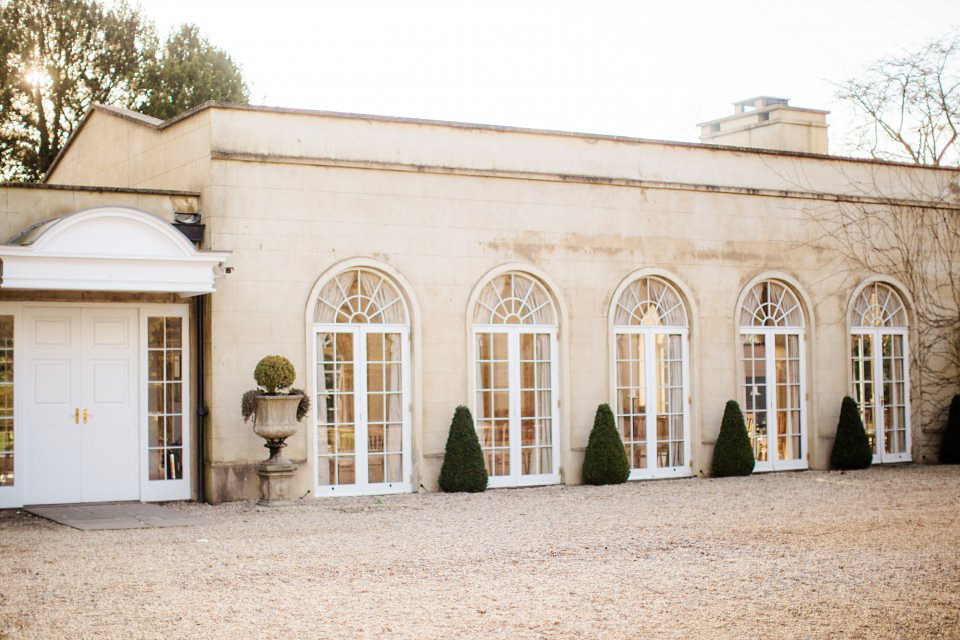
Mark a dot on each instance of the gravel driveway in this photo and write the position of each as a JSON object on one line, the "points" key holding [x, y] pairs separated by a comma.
{"points": [[868, 554]]}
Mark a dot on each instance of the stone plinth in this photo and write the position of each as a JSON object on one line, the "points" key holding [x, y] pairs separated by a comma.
{"points": [[275, 485]]}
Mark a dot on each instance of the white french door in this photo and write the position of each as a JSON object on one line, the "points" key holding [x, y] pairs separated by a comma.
{"points": [[773, 390], [362, 409], [101, 398], [652, 403], [81, 403], [880, 379], [515, 403]]}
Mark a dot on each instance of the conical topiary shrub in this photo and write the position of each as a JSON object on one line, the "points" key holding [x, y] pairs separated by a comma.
{"points": [[950, 448], [733, 453], [463, 468], [605, 461], [851, 448]]}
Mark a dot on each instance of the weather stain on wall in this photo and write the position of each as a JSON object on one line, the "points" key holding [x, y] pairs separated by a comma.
{"points": [[534, 246]]}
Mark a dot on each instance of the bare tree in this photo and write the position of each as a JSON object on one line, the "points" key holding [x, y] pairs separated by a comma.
{"points": [[915, 240], [904, 223], [908, 106]]}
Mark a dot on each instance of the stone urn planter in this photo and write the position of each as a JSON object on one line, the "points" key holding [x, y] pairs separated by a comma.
{"points": [[275, 420], [276, 410]]}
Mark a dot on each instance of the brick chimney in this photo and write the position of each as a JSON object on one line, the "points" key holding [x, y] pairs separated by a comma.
{"points": [[765, 122]]}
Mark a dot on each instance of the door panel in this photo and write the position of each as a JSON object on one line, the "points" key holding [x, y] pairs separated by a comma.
{"points": [[109, 410], [863, 388], [335, 408], [53, 437], [493, 401]]}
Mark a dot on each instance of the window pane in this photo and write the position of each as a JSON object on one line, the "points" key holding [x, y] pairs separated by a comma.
{"points": [[174, 331], [394, 471], [155, 332], [375, 468]]}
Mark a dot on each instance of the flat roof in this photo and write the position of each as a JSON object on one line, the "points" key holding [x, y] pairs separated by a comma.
{"points": [[148, 121]]}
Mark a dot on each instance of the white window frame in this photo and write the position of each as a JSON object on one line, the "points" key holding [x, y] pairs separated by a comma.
{"points": [[513, 331], [361, 487], [164, 490], [769, 334], [650, 371], [876, 334]]}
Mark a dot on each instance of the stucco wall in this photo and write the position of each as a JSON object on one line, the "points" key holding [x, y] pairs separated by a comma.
{"points": [[23, 205], [289, 223], [425, 144], [116, 151]]}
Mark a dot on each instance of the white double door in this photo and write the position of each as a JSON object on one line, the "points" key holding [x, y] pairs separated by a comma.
{"points": [[881, 389], [515, 404], [80, 404], [774, 393]]}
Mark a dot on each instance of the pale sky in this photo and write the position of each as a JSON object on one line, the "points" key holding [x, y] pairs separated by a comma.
{"points": [[649, 69]]}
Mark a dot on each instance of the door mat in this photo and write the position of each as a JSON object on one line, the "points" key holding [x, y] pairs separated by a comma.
{"points": [[116, 515]]}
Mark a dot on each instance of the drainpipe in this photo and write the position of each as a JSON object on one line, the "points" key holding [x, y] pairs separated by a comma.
{"points": [[201, 406], [190, 225]]}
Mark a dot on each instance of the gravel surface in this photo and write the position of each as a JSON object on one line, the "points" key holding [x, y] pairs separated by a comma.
{"points": [[867, 554]]}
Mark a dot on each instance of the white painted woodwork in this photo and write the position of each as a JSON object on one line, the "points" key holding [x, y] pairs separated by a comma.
{"points": [[108, 370], [361, 453], [80, 405], [879, 399], [515, 477], [109, 249], [52, 438]]}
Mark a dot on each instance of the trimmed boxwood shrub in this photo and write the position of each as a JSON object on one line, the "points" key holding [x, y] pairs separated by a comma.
{"points": [[851, 448], [950, 448], [605, 461], [733, 453], [463, 467], [274, 373]]}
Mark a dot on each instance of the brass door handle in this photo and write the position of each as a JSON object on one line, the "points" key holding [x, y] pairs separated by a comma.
{"points": [[85, 416], [76, 415]]}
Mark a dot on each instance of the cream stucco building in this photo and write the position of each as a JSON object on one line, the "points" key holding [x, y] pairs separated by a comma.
{"points": [[406, 267]]}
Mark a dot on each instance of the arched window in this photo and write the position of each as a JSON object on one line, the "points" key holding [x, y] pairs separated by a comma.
{"points": [[362, 356], [360, 296], [515, 298], [651, 369], [879, 348], [773, 387], [515, 380]]}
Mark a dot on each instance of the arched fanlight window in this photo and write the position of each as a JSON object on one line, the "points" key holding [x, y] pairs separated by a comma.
{"points": [[878, 305], [650, 302], [515, 403], [514, 298], [362, 385], [650, 356], [360, 296], [880, 372], [771, 304], [773, 387]]}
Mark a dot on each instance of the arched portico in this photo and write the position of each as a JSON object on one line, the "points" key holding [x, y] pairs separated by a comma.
{"points": [[96, 396]]}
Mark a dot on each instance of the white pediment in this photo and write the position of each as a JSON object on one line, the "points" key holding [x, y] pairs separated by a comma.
{"points": [[108, 249]]}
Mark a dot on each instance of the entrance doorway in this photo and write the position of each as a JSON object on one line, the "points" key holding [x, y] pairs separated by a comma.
{"points": [[80, 394]]}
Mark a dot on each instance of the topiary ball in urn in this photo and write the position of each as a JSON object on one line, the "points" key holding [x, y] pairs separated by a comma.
{"points": [[275, 407], [273, 373]]}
